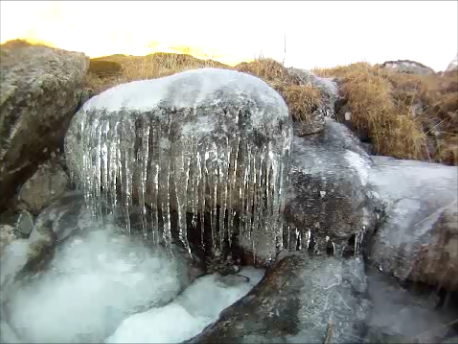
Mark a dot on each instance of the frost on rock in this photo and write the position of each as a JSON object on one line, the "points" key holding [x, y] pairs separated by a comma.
{"points": [[418, 236], [328, 206], [92, 283], [212, 143]]}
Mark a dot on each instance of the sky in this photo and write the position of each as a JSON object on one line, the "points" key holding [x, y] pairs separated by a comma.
{"points": [[318, 34]]}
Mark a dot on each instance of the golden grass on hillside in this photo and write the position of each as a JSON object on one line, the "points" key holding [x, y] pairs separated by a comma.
{"points": [[134, 68], [386, 104]]}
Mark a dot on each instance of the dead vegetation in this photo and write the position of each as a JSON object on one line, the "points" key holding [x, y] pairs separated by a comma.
{"points": [[106, 72], [302, 100], [406, 116]]}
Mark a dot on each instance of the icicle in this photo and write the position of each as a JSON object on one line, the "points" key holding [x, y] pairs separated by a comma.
{"points": [[154, 172], [164, 176], [143, 159]]}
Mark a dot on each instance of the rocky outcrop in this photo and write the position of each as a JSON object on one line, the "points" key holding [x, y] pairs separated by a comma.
{"points": [[417, 239], [408, 67], [295, 303], [329, 205], [41, 89], [207, 142]]}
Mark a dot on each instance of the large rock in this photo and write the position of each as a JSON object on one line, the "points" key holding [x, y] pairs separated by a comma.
{"points": [[295, 302], [41, 90], [418, 238], [328, 202], [48, 184], [210, 142]]}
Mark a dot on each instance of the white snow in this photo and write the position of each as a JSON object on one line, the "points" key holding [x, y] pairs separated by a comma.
{"points": [[197, 307], [186, 89], [92, 284], [107, 286]]}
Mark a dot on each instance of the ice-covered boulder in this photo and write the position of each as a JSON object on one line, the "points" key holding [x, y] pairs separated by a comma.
{"points": [[209, 142], [328, 202], [418, 237]]}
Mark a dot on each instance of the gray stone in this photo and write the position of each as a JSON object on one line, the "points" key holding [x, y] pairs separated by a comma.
{"points": [[329, 203], [22, 222], [418, 237], [49, 183], [60, 219], [408, 67], [294, 303], [41, 90]]}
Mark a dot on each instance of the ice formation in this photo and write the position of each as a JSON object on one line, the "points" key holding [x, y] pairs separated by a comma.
{"points": [[212, 143]]}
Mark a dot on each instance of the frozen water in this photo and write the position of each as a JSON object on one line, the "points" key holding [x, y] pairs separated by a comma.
{"points": [[197, 307], [212, 143], [93, 282]]}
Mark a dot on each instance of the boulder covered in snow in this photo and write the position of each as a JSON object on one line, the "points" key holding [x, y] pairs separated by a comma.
{"points": [[295, 302], [417, 240], [42, 88], [328, 202], [209, 142]]}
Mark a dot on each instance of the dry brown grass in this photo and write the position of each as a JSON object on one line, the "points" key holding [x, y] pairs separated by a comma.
{"points": [[302, 100], [385, 103], [134, 68]]}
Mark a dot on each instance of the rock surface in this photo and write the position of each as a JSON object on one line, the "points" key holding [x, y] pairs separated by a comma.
{"points": [[41, 90], [418, 238], [409, 67], [14, 225], [294, 303], [48, 184], [328, 202], [404, 316], [209, 142]]}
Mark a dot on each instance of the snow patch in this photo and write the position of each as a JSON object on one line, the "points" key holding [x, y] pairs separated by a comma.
{"points": [[92, 284], [197, 307]]}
